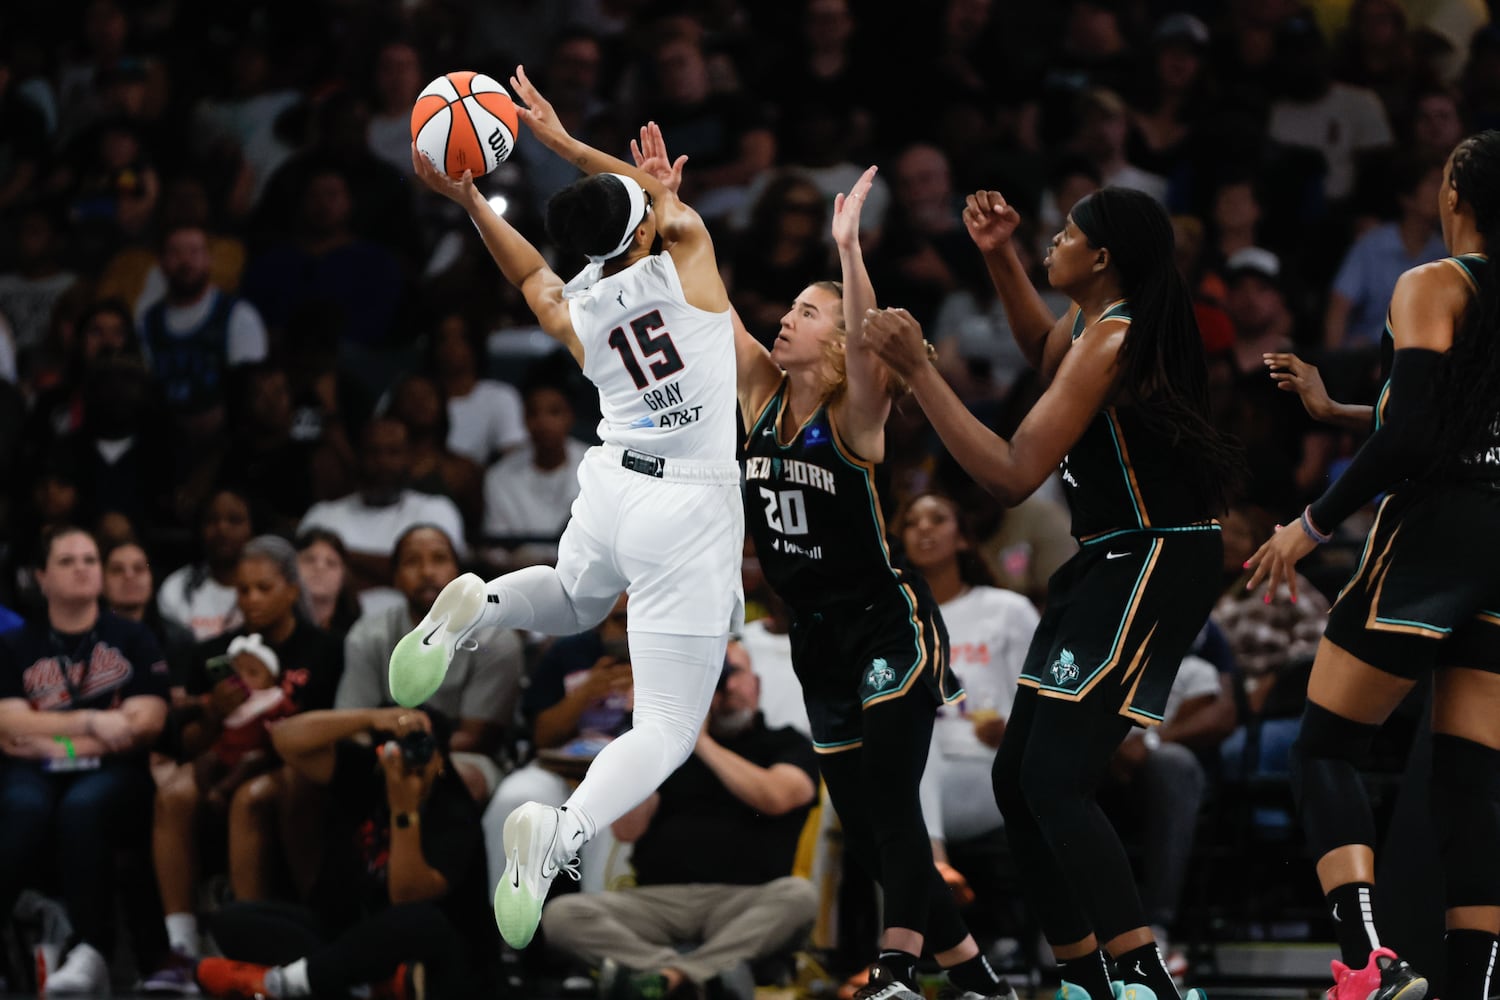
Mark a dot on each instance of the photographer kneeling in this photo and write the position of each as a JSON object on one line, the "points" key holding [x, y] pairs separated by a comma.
{"points": [[400, 896]]}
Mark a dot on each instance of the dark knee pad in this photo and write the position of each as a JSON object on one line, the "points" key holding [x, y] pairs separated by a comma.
{"points": [[1326, 785], [1466, 809]]}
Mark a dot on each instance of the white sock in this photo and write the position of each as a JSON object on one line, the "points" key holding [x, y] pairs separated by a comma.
{"points": [[675, 677], [534, 598], [289, 980], [577, 829], [182, 933]]}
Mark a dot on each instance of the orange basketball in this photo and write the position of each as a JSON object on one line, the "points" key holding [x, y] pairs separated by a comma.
{"points": [[464, 121]]}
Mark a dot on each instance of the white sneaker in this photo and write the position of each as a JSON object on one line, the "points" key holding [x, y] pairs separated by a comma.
{"points": [[420, 660], [533, 857], [83, 971]]}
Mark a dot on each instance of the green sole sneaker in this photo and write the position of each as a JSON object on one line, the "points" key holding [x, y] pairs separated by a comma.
{"points": [[531, 833], [420, 660]]}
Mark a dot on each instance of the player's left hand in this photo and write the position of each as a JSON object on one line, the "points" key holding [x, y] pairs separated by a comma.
{"points": [[537, 112], [847, 208], [897, 338], [650, 154], [461, 190], [1275, 562]]}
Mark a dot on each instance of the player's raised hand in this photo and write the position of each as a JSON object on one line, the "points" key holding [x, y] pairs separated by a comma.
{"points": [[537, 112], [650, 154], [460, 190], [847, 208], [990, 220]]}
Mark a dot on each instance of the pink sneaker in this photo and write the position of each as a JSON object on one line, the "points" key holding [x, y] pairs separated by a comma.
{"points": [[1386, 977]]}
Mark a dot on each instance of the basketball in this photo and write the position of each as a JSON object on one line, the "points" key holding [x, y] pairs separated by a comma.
{"points": [[464, 121]]}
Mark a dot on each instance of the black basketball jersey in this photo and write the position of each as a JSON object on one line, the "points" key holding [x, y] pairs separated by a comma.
{"points": [[812, 508], [1120, 476]]}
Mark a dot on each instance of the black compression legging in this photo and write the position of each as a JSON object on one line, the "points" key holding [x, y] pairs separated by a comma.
{"points": [[273, 933], [1073, 868], [874, 792]]}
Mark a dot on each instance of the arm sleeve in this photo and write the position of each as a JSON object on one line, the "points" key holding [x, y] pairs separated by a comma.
{"points": [[1396, 451]]}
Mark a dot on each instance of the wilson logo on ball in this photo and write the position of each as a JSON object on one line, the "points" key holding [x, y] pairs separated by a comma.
{"points": [[451, 115]]}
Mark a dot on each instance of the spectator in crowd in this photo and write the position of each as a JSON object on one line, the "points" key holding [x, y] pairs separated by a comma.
{"points": [[417, 402], [323, 261], [579, 699], [1101, 137], [201, 596], [83, 695], [1361, 292], [1437, 123], [105, 330], [713, 851], [37, 280], [528, 493], [1164, 136], [1235, 218], [397, 81], [989, 630], [1315, 111], [780, 251], [724, 133], [1376, 53], [767, 641], [265, 460], [485, 417], [308, 665], [827, 83], [111, 187], [478, 693], [23, 136], [383, 506], [398, 905], [129, 592], [322, 565], [197, 332], [570, 78]]}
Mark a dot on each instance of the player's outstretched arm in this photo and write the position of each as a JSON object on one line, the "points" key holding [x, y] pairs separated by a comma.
{"points": [[679, 225], [991, 223], [520, 262], [1009, 470], [867, 402], [1292, 374]]}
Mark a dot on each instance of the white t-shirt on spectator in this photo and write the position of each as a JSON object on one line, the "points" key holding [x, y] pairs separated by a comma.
{"points": [[246, 342], [780, 691], [486, 422], [211, 609], [1196, 677], [1346, 121], [520, 499], [373, 531], [28, 304], [989, 630]]}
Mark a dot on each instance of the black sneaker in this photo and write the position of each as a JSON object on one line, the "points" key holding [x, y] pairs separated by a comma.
{"points": [[1002, 991], [884, 986]]}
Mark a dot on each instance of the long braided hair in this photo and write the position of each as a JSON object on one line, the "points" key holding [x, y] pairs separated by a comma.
{"points": [[1161, 359]]}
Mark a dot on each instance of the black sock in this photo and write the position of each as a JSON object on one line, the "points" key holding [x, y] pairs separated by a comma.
{"points": [[1087, 972], [900, 964], [1144, 966], [1353, 909], [976, 976], [1471, 960]]}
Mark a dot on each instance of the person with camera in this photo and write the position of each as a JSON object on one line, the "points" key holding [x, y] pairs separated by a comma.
{"points": [[397, 903]]}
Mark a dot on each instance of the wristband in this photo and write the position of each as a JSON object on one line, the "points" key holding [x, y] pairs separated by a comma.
{"points": [[1311, 530], [67, 744]]}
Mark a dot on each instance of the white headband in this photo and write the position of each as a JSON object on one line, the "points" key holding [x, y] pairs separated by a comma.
{"points": [[256, 647], [636, 216]]}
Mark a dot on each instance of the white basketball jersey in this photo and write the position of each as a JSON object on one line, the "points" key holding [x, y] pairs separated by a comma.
{"points": [[665, 370]]}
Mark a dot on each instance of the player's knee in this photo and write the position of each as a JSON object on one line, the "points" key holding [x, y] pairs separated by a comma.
{"points": [[1327, 735]]}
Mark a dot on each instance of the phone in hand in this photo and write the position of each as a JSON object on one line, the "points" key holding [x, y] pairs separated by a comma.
{"points": [[218, 668]]}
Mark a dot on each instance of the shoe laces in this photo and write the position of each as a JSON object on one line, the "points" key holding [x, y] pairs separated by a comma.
{"points": [[571, 869]]}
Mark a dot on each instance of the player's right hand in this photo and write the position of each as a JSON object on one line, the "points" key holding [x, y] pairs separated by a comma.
{"points": [[650, 154], [990, 220], [537, 112]]}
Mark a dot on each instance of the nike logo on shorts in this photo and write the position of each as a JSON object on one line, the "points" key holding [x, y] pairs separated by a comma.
{"points": [[1116, 555]]}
